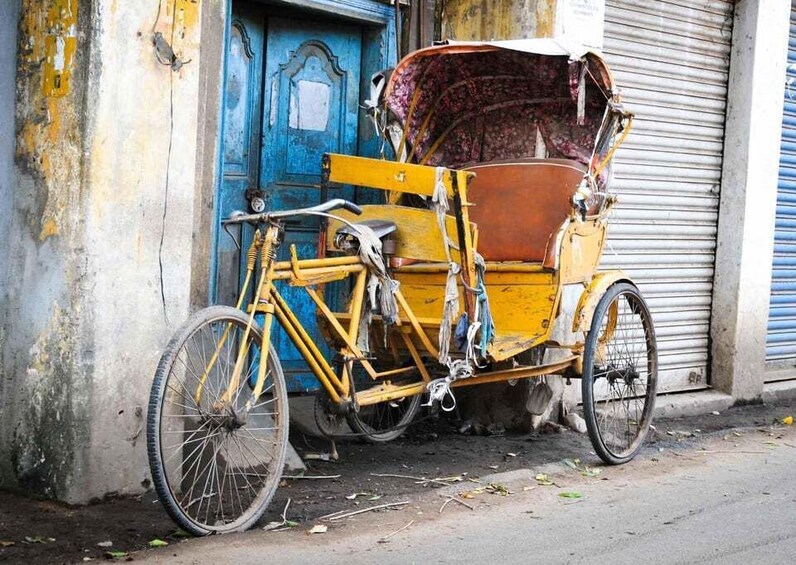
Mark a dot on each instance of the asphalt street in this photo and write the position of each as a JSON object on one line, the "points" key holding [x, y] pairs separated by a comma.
{"points": [[728, 499]]}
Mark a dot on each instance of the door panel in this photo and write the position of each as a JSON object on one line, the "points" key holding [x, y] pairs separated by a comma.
{"points": [[311, 107], [312, 78], [291, 94], [241, 143]]}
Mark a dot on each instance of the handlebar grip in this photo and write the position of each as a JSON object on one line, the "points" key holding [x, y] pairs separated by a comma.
{"points": [[351, 207]]}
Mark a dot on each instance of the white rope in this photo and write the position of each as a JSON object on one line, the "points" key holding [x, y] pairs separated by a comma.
{"points": [[440, 202], [371, 254]]}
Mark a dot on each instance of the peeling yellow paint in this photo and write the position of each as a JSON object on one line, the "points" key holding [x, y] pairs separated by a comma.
{"points": [[48, 229], [60, 44], [490, 20], [187, 14], [48, 110]]}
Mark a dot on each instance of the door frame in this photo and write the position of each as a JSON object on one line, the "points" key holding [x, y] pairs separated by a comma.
{"points": [[378, 52]]}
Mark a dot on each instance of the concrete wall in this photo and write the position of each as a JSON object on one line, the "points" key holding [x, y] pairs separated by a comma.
{"points": [[748, 197], [100, 238], [9, 16]]}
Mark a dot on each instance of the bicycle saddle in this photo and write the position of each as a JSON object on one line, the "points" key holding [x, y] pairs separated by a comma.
{"points": [[379, 227]]}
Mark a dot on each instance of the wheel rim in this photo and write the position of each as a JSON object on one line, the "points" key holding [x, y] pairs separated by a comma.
{"points": [[386, 417], [624, 375], [221, 457]]}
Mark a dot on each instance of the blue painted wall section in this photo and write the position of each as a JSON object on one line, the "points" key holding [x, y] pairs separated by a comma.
{"points": [[781, 337]]}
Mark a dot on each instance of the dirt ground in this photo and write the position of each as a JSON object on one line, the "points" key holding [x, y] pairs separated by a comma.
{"points": [[36, 531]]}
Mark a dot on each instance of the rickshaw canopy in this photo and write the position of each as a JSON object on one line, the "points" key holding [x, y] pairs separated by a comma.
{"points": [[463, 103]]}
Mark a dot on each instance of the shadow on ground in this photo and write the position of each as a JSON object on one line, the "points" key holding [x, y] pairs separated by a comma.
{"points": [[48, 532]]}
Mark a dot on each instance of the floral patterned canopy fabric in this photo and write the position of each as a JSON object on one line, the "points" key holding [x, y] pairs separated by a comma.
{"points": [[469, 103]]}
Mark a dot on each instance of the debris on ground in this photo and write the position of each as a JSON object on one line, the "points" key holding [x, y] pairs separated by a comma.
{"points": [[157, 543], [575, 422], [362, 511], [285, 524], [386, 538], [318, 529], [579, 466]]}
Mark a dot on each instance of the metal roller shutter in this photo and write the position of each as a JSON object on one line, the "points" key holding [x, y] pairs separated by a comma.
{"points": [[671, 62], [781, 337]]}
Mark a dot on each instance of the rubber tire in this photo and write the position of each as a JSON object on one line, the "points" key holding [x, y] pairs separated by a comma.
{"points": [[587, 381], [189, 328], [376, 436]]}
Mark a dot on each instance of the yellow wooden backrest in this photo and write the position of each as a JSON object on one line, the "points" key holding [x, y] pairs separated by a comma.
{"points": [[385, 175]]}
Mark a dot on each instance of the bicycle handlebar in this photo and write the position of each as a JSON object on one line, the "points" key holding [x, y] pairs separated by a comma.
{"points": [[333, 204]]}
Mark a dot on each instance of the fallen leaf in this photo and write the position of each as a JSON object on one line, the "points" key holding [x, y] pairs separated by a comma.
{"points": [[375, 497], [525, 489], [497, 488], [787, 420], [272, 526], [586, 472], [570, 463], [38, 539], [180, 533], [494, 466], [115, 554], [158, 543], [570, 495], [356, 494], [318, 529], [511, 454], [544, 480], [108, 543], [6, 543]]}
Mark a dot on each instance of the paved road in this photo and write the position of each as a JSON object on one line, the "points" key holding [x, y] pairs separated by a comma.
{"points": [[735, 503]]}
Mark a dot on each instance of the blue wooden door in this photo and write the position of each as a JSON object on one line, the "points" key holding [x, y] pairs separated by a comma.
{"points": [[310, 107], [291, 95], [241, 143]]}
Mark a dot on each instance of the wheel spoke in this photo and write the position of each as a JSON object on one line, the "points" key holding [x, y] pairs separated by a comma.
{"points": [[622, 376], [215, 464]]}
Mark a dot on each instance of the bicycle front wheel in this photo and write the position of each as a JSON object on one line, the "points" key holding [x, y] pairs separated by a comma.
{"points": [[216, 453]]}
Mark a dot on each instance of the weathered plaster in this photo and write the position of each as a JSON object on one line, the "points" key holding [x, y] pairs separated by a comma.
{"points": [[139, 222], [487, 20], [46, 397], [9, 16], [102, 214]]}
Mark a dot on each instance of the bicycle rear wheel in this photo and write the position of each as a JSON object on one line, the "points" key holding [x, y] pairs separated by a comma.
{"points": [[216, 460]]}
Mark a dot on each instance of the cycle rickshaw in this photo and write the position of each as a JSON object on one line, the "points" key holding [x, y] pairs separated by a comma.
{"points": [[495, 207]]}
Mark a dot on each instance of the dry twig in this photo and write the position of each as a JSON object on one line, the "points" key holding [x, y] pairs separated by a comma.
{"points": [[380, 506], [296, 477], [388, 536]]}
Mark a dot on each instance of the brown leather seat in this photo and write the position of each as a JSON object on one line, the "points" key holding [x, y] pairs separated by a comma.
{"points": [[519, 205]]}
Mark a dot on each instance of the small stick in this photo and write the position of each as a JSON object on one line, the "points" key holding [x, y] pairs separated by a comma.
{"points": [[421, 480], [349, 514], [330, 515], [297, 477], [463, 503], [397, 476], [731, 451], [455, 499], [385, 538]]}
